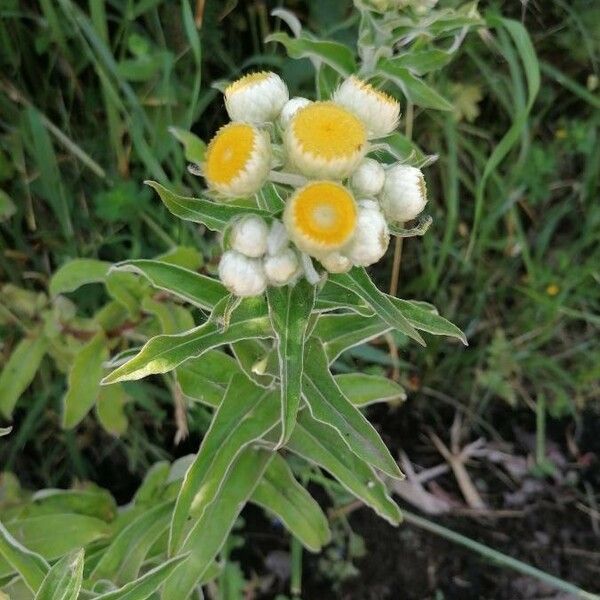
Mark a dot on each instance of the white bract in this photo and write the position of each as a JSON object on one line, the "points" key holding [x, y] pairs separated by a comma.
{"points": [[376, 109], [277, 239], [290, 108], [404, 193], [249, 236], [372, 236], [282, 268], [368, 178], [256, 98], [334, 262], [241, 275]]}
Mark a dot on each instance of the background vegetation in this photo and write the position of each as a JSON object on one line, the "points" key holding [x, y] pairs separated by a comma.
{"points": [[89, 94]]}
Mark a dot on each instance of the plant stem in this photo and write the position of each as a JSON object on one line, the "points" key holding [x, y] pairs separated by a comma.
{"points": [[296, 576], [498, 557]]}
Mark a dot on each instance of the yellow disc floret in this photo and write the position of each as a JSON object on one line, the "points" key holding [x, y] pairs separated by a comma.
{"points": [[325, 139], [237, 160], [321, 217]]}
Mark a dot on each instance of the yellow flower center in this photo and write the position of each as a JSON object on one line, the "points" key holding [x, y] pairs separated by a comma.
{"points": [[246, 81], [369, 89], [328, 131], [325, 212], [229, 152]]}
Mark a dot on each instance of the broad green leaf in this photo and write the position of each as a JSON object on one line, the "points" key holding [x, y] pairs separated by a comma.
{"points": [[193, 147], [152, 485], [7, 206], [84, 381], [17, 558], [110, 408], [413, 88], [280, 493], [122, 559], [165, 352], [328, 405], [76, 273], [92, 502], [63, 581], [336, 55], [320, 444], [360, 283], [199, 290], [20, 370], [290, 308], [172, 317], [209, 533], [147, 584], [246, 413], [421, 62], [362, 389], [187, 257], [128, 290], [334, 296], [214, 215]]}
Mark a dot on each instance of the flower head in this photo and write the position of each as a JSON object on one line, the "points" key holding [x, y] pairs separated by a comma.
{"points": [[237, 160], [256, 97], [325, 140], [241, 275], [404, 193], [368, 178], [249, 235], [321, 217], [378, 110], [282, 268], [290, 108], [372, 236], [334, 262]]}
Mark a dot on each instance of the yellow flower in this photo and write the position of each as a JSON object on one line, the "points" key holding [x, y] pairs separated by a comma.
{"points": [[321, 217], [325, 140], [376, 109], [238, 160]]}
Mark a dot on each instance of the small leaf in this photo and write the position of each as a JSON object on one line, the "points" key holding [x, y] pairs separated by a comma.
{"points": [[20, 370], [76, 273], [362, 389], [214, 215], [194, 147], [63, 581], [110, 406], [421, 62], [280, 493], [84, 381], [290, 308]]}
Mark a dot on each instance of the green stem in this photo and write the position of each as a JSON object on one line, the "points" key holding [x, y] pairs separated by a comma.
{"points": [[296, 577], [498, 557]]}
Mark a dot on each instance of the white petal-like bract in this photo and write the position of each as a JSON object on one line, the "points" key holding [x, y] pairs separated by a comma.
{"points": [[372, 236], [249, 236], [404, 193], [241, 275], [368, 178]]}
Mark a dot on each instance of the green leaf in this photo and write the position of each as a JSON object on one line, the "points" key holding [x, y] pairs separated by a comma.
{"points": [[30, 565], [171, 317], [414, 88], [421, 62], [92, 502], [147, 584], [209, 533], [419, 230], [7, 206], [336, 55], [362, 389], [110, 406], [400, 148], [194, 147], [76, 273], [333, 296], [20, 370], [128, 290], [84, 381], [63, 581], [5, 431], [290, 308], [214, 215], [320, 444], [199, 290], [253, 357], [165, 352], [246, 413], [280, 493], [360, 283], [328, 405]]}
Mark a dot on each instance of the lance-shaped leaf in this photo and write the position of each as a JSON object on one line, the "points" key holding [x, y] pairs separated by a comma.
{"points": [[342, 332], [209, 533], [199, 290], [246, 413], [63, 581], [333, 296], [84, 380], [30, 566], [290, 308], [147, 584], [78, 272], [253, 357], [165, 352], [214, 215], [328, 405], [280, 493], [19, 371], [362, 389], [360, 283], [320, 444]]}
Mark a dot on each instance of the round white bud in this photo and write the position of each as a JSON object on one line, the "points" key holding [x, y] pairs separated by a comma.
{"points": [[368, 178], [249, 236], [277, 239], [334, 262], [282, 268], [404, 193], [290, 108], [372, 236], [241, 275]]}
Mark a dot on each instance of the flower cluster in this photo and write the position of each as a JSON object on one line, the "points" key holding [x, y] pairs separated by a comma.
{"points": [[341, 200]]}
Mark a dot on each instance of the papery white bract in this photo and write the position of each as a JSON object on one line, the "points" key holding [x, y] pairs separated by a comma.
{"points": [[404, 193], [372, 236], [282, 268], [241, 275], [368, 178], [249, 236]]}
